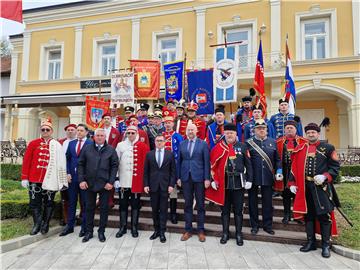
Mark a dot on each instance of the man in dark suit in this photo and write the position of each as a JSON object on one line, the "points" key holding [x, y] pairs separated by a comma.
{"points": [[194, 177], [72, 157], [97, 169], [159, 180]]}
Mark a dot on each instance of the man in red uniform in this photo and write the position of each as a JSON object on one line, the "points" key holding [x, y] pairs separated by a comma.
{"points": [[180, 115], [286, 146], [191, 108], [112, 134], [43, 173]]}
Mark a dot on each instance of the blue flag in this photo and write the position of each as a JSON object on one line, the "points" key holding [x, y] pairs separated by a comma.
{"points": [[200, 85], [174, 73]]}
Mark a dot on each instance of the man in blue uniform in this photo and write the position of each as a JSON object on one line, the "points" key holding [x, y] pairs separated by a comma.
{"points": [[215, 131], [129, 110], [257, 113], [243, 116], [265, 162], [142, 115], [278, 120]]}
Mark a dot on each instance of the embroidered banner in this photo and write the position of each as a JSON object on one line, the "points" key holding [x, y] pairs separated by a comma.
{"points": [[122, 88], [95, 109], [174, 74]]}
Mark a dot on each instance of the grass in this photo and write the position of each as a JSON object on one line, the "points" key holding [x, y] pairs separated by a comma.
{"points": [[11, 228], [349, 195]]}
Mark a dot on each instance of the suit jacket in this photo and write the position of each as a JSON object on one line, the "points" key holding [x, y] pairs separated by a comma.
{"points": [[159, 178], [114, 137], [72, 158], [97, 167], [198, 164]]}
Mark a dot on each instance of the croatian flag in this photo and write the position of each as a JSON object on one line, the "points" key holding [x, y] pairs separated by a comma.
{"points": [[290, 91], [259, 80]]}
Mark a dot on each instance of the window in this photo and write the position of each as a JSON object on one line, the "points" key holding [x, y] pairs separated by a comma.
{"points": [[107, 58], [315, 39], [245, 48], [54, 64], [167, 48], [51, 60]]}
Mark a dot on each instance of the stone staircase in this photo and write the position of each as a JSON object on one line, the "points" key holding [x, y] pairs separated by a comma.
{"points": [[293, 233]]}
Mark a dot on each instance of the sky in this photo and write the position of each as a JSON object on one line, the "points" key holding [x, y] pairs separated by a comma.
{"points": [[12, 28]]}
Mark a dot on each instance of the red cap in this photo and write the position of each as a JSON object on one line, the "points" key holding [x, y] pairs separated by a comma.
{"points": [[70, 125], [105, 114]]}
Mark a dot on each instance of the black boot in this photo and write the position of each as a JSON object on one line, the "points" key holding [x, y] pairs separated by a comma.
{"points": [[134, 222], [225, 220], [46, 221], [310, 235], [287, 207], [123, 224], [173, 216], [325, 239], [238, 228], [37, 221]]}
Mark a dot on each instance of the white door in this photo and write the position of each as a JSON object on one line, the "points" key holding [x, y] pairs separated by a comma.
{"points": [[312, 116]]}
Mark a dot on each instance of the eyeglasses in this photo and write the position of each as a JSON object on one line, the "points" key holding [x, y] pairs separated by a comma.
{"points": [[45, 130], [130, 133], [159, 140]]}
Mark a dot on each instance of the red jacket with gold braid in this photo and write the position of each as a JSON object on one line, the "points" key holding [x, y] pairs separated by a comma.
{"points": [[36, 161], [200, 124]]}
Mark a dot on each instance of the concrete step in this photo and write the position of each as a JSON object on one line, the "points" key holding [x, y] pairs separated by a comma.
{"points": [[281, 236]]}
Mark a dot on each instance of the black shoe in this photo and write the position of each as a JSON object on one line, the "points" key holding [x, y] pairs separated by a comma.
{"points": [[254, 231], [134, 233], [224, 238], [37, 221], [82, 233], [87, 237], [310, 245], [239, 239], [134, 222], [121, 232], [66, 231], [101, 237], [269, 231], [325, 252], [286, 219], [162, 238], [47, 216], [155, 235]]}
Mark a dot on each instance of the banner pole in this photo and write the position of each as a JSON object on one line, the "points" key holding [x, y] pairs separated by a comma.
{"points": [[183, 84]]}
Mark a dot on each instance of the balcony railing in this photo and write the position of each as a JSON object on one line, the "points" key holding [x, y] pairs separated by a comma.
{"points": [[247, 63]]}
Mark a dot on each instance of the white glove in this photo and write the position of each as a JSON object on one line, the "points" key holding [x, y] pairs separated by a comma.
{"points": [[117, 184], [25, 183], [279, 177], [248, 185], [293, 189], [319, 179], [213, 185]]}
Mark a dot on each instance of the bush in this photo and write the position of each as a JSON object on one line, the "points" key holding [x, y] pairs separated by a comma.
{"points": [[350, 170], [11, 171]]}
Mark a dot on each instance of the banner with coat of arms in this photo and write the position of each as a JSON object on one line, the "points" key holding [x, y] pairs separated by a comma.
{"points": [[174, 74], [146, 78], [122, 88], [95, 109], [225, 74], [200, 87]]}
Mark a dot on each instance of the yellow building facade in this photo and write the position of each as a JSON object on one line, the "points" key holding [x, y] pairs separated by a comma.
{"points": [[66, 44]]}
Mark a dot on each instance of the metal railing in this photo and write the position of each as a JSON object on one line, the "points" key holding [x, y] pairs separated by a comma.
{"points": [[12, 151], [349, 156]]}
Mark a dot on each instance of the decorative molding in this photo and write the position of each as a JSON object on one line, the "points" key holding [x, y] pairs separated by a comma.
{"points": [[43, 64], [200, 37], [356, 25], [14, 71], [78, 51], [275, 26], [326, 88], [135, 38], [331, 60], [317, 82], [173, 32], [26, 56]]}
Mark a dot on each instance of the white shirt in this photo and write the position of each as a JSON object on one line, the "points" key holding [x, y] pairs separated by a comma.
{"points": [[82, 143], [107, 132]]}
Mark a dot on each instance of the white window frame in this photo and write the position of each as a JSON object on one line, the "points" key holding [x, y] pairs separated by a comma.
{"points": [[54, 62], [301, 17], [326, 21], [158, 35], [44, 59], [241, 25], [97, 46], [101, 56]]}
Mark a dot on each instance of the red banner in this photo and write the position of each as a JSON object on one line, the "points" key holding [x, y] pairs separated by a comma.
{"points": [[11, 10], [95, 109], [147, 78]]}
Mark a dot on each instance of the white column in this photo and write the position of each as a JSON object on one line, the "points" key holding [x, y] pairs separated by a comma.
{"points": [[273, 103], [343, 123], [275, 29], [355, 113], [356, 25], [26, 56], [78, 51], [76, 114], [200, 38], [135, 38], [7, 122], [13, 75]]}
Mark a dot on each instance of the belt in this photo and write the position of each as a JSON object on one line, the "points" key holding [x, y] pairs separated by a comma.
{"points": [[310, 178]]}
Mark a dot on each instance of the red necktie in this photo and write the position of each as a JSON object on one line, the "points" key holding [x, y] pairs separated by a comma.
{"points": [[78, 148]]}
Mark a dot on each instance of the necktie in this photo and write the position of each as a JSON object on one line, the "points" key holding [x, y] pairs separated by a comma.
{"points": [[191, 147], [159, 158], [79, 147]]}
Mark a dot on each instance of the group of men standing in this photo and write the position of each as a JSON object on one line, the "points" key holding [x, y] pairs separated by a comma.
{"points": [[161, 152]]}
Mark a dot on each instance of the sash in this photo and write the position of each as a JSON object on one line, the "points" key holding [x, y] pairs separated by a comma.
{"points": [[262, 154]]}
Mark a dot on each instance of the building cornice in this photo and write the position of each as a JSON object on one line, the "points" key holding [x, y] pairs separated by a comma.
{"points": [[334, 60]]}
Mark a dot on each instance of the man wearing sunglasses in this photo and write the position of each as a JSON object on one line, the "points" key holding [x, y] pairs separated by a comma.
{"points": [[43, 173]]}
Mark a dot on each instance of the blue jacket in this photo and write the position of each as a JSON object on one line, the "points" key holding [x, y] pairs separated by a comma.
{"points": [[198, 164], [211, 134], [249, 129], [278, 120], [262, 176], [72, 158]]}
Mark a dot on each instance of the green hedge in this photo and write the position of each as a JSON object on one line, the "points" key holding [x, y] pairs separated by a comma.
{"points": [[350, 170], [21, 209], [11, 171]]}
